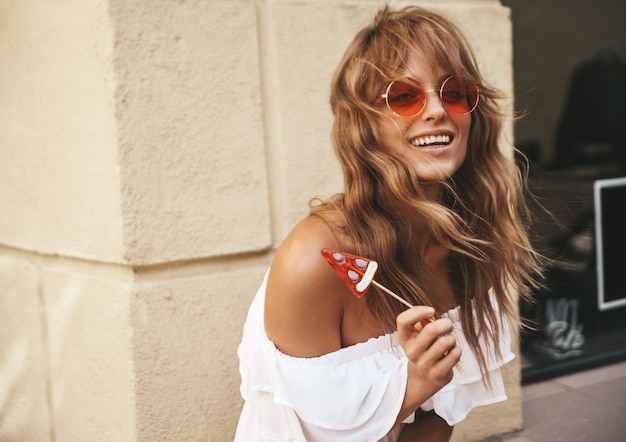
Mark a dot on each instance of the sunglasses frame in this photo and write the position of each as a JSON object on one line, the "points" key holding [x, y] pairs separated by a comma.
{"points": [[385, 96]]}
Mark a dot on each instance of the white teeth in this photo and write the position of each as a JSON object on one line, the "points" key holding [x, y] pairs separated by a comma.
{"points": [[433, 139]]}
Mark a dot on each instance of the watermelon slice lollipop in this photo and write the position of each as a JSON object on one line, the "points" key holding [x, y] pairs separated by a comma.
{"points": [[356, 272]]}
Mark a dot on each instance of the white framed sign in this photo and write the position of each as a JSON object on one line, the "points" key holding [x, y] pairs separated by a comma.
{"points": [[610, 219]]}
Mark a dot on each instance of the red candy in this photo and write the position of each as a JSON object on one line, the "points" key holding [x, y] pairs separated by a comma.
{"points": [[355, 271]]}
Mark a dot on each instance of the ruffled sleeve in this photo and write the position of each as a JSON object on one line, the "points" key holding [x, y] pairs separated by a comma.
{"points": [[467, 389], [352, 394]]}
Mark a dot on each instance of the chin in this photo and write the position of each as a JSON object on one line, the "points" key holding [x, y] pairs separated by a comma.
{"points": [[435, 175]]}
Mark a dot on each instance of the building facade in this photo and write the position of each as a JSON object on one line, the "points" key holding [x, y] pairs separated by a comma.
{"points": [[153, 155]]}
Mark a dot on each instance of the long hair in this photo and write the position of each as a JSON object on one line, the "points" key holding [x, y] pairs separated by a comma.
{"points": [[483, 216]]}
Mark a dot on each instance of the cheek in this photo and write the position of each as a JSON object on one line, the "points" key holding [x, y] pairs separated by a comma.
{"points": [[390, 125], [466, 139], [464, 124], [390, 131], [464, 131]]}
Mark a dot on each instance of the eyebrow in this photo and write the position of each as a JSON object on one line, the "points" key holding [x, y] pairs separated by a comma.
{"points": [[440, 80]]}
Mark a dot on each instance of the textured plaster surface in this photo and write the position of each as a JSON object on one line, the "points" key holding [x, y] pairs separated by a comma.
{"points": [[24, 413], [90, 351], [186, 333], [194, 180], [59, 175], [302, 45]]}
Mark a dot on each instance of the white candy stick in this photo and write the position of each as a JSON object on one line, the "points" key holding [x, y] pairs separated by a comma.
{"points": [[389, 292]]}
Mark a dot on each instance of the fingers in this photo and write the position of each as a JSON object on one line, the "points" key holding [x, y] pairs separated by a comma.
{"points": [[435, 364], [411, 321], [429, 344], [444, 346]]}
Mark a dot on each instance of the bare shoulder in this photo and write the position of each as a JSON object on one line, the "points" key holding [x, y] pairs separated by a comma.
{"points": [[303, 304]]}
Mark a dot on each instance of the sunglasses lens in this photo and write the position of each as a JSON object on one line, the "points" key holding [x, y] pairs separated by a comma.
{"points": [[406, 97], [459, 97]]}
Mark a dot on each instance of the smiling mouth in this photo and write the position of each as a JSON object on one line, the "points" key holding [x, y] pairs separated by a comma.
{"points": [[431, 141]]}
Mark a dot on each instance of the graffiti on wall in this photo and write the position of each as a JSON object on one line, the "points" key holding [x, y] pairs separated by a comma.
{"points": [[563, 333]]}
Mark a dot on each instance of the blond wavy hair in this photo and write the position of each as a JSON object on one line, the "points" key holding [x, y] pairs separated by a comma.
{"points": [[483, 216]]}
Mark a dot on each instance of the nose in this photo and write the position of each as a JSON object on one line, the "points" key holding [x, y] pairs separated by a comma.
{"points": [[434, 108]]}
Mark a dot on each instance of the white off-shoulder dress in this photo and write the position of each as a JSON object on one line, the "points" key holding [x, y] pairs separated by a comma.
{"points": [[352, 394]]}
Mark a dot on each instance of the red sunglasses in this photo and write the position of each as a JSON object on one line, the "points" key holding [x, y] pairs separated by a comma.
{"points": [[406, 97]]}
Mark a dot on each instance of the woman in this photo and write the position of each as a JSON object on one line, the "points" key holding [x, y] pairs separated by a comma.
{"points": [[431, 198]]}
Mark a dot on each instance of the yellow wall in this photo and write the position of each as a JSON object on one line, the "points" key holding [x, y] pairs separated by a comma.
{"points": [[153, 154]]}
